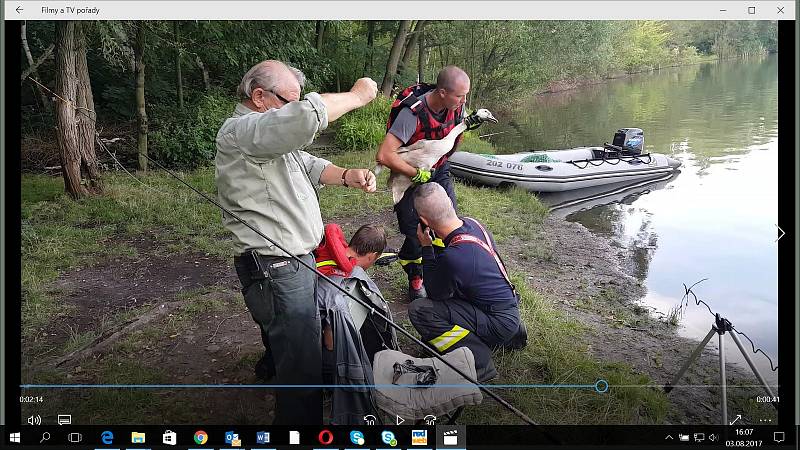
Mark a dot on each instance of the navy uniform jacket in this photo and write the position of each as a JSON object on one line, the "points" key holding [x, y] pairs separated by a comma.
{"points": [[467, 272]]}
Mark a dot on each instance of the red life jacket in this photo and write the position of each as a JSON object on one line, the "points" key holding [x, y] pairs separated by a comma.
{"points": [[331, 255], [427, 126]]}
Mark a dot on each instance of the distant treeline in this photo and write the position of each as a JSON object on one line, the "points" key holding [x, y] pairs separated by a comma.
{"points": [[176, 80]]}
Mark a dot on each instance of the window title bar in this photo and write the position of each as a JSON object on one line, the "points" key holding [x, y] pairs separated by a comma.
{"points": [[395, 10]]}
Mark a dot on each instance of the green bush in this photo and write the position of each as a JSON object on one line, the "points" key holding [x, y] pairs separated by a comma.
{"points": [[364, 128], [186, 139]]}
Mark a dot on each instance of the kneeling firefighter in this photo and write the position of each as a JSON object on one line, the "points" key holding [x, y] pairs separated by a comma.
{"points": [[471, 301]]}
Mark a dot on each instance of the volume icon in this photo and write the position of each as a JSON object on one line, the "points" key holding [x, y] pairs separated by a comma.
{"points": [[35, 420]]}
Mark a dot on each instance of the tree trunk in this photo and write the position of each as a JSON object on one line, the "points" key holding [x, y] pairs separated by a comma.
{"points": [[370, 48], [179, 78], [66, 123], [411, 46], [84, 112], [394, 57], [204, 71], [33, 65], [421, 62], [141, 111], [320, 35], [335, 57]]}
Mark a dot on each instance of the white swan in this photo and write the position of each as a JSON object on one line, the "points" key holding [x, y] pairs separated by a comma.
{"points": [[424, 153]]}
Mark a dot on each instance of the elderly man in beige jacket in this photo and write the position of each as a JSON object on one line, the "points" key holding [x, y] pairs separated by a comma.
{"points": [[264, 176]]}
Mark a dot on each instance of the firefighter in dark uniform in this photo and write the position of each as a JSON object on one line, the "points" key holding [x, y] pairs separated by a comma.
{"points": [[422, 111], [471, 301]]}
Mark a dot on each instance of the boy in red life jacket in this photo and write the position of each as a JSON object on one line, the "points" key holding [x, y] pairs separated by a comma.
{"points": [[335, 256], [422, 112]]}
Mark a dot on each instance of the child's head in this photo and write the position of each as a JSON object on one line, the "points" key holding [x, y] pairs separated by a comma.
{"points": [[368, 243]]}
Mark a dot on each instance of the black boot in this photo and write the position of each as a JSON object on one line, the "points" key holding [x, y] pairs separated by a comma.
{"points": [[265, 369], [520, 340]]}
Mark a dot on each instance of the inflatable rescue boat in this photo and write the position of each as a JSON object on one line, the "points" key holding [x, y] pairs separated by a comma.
{"points": [[564, 170]]}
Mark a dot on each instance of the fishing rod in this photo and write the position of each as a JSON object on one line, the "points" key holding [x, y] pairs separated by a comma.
{"points": [[371, 308]]}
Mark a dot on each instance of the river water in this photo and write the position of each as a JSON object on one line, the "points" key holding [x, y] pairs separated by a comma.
{"points": [[716, 220]]}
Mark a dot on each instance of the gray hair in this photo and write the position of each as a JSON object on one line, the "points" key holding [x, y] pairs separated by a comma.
{"points": [[432, 201], [263, 75]]}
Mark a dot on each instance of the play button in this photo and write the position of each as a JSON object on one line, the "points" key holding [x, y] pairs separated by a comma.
{"points": [[400, 420]]}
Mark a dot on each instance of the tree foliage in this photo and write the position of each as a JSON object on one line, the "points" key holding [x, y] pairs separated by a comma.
{"points": [[505, 59]]}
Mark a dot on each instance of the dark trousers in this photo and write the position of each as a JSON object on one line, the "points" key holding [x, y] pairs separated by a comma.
{"points": [[283, 304], [453, 323], [410, 253]]}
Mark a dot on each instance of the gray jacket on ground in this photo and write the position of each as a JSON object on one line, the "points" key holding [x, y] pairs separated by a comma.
{"points": [[350, 365]]}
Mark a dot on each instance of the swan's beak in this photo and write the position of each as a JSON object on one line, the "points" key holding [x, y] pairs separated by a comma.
{"points": [[490, 119]]}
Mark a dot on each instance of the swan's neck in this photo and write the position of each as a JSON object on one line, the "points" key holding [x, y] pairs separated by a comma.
{"points": [[455, 132]]}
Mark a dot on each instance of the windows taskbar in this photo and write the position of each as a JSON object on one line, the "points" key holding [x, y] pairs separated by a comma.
{"points": [[419, 437]]}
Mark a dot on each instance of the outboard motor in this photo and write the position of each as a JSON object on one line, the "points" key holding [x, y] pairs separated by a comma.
{"points": [[630, 140]]}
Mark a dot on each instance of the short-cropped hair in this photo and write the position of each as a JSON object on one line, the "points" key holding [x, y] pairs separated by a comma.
{"points": [[370, 238]]}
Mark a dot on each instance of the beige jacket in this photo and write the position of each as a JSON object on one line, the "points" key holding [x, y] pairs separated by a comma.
{"points": [[265, 178]]}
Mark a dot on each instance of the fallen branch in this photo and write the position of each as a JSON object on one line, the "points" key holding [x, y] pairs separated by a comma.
{"points": [[101, 343]]}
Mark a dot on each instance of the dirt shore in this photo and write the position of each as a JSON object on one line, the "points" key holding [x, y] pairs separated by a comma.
{"points": [[185, 323], [583, 266]]}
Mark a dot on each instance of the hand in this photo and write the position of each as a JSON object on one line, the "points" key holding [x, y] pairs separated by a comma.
{"points": [[365, 89], [363, 179], [423, 236], [422, 176]]}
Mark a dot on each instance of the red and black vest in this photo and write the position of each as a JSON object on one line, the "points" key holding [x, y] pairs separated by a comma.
{"points": [[427, 126]]}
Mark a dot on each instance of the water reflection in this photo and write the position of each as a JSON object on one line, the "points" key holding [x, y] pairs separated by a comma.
{"points": [[717, 219], [714, 109]]}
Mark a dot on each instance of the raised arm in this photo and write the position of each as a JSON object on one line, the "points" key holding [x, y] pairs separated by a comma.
{"points": [[363, 91]]}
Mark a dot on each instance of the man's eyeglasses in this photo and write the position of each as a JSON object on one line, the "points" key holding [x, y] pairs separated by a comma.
{"points": [[279, 97]]}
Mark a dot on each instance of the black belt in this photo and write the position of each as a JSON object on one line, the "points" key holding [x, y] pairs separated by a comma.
{"points": [[258, 265]]}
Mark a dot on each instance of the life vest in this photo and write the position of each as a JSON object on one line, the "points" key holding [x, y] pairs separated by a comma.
{"points": [[331, 255], [427, 126]]}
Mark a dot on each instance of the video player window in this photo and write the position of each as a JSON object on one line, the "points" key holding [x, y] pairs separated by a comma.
{"points": [[345, 232]]}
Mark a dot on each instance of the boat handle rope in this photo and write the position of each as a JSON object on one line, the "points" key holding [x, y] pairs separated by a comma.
{"points": [[604, 160]]}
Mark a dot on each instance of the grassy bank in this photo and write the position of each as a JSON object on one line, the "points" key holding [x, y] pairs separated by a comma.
{"points": [[60, 235]]}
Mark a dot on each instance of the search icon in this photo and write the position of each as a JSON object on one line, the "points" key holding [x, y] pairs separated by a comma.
{"points": [[45, 437]]}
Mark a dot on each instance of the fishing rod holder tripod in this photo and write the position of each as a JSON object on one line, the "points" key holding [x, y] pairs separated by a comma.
{"points": [[720, 327]]}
